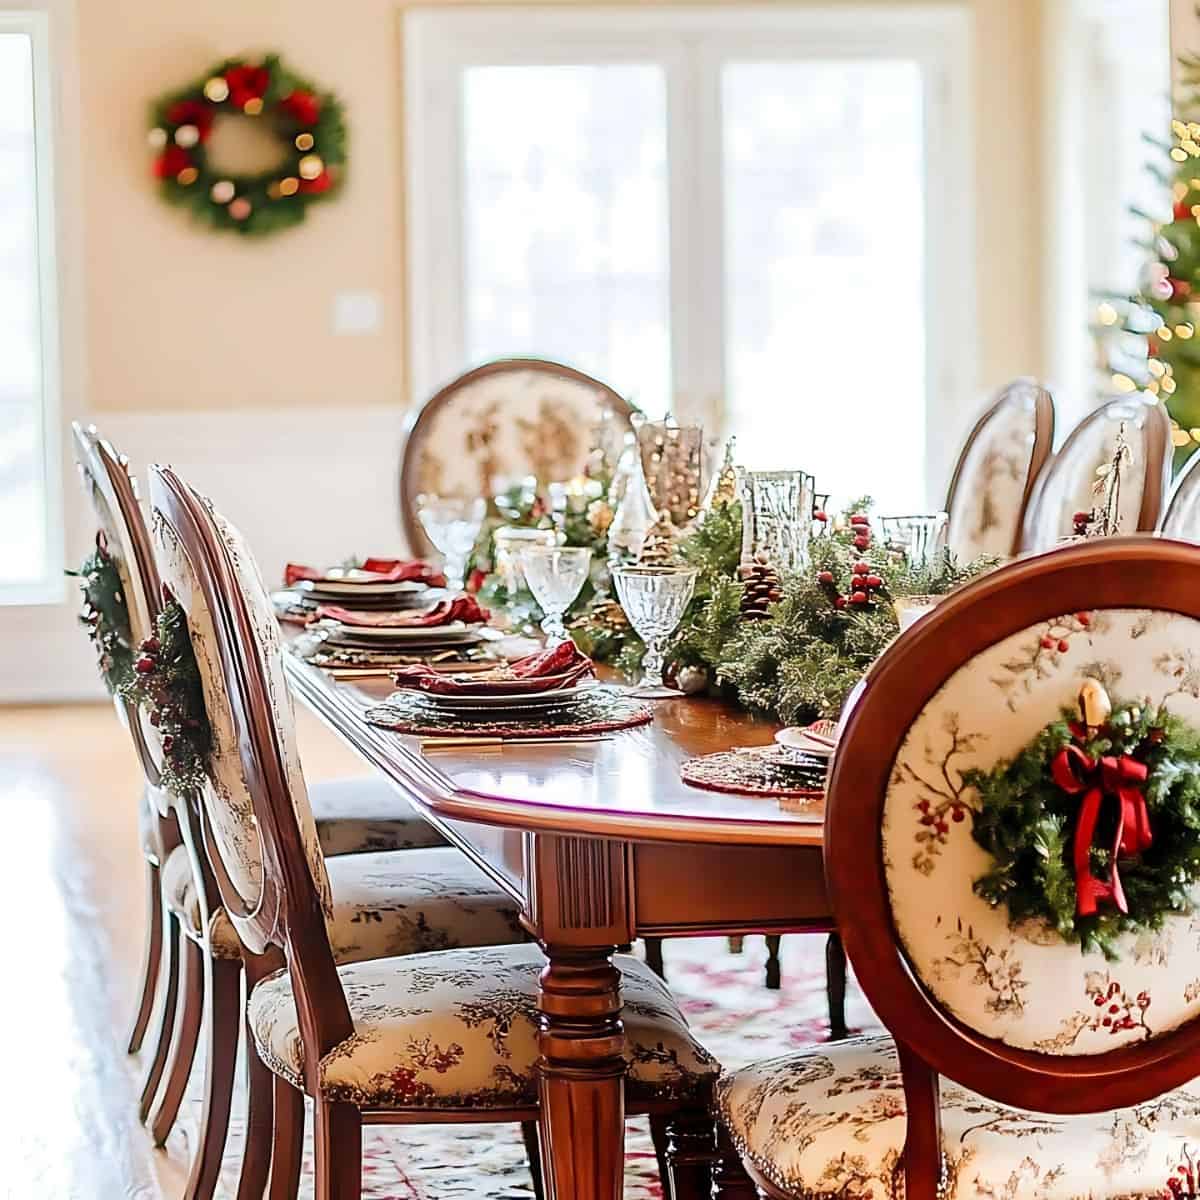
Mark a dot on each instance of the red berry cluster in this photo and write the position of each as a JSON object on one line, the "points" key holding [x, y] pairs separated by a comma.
{"points": [[1119, 1012], [1081, 522], [936, 818], [860, 531]]}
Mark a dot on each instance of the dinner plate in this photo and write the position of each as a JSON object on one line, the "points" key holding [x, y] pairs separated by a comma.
{"points": [[462, 703], [455, 631], [367, 586]]}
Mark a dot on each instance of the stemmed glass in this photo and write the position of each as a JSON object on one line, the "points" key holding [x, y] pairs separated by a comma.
{"points": [[555, 575], [453, 524], [654, 599]]}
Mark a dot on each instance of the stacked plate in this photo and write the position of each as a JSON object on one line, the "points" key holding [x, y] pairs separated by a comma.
{"points": [[484, 697], [806, 752], [414, 641]]}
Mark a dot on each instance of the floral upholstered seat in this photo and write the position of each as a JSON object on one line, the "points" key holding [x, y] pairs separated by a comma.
{"points": [[431, 899], [831, 1122], [458, 1029], [354, 815]]}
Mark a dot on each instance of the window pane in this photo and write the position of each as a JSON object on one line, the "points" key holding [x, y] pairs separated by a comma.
{"points": [[24, 549], [565, 221], [825, 273]]}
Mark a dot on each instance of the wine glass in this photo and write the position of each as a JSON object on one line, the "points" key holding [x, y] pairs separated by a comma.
{"points": [[654, 599], [555, 575], [452, 524]]}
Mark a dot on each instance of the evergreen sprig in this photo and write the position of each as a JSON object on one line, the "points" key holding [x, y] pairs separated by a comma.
{"points": [[1027, 824], [165, 682], [105, 615]]}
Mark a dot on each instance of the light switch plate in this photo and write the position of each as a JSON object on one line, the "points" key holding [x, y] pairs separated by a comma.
{"points": [[356, 313]]}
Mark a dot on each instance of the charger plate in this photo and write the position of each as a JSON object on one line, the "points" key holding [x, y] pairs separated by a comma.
{"points": [[598, 711], [757, 771]]}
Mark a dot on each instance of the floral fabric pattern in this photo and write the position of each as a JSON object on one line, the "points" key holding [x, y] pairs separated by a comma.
{"points": [[1024, 985], [507, 425], [987, 503], [831, 1123], [458, 1029], [354, 815], [384, 903]]}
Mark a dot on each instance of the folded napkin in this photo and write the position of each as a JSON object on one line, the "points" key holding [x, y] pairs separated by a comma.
{"points": [[561, 666], [387, 570], [445, 612]]}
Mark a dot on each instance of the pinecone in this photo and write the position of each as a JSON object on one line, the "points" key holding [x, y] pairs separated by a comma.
{"points": [[607, 615], [762, 587]]}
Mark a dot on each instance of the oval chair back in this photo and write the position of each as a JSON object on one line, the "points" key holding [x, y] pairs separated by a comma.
{"points": [[995, 472], [1008, 1010], [1065, 484], [112, 491], [258, 827], [1182, 516], [504, 420]]}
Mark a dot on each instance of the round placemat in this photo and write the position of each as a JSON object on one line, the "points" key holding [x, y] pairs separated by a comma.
{"points": [[597, 712], [758, 771]]}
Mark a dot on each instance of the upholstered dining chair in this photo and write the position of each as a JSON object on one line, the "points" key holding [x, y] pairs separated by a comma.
{"points": [[504, 420], [1181, 518], [1065, 483], [353, 817], [1015, 1064], [449, 1035], [996, 469]]}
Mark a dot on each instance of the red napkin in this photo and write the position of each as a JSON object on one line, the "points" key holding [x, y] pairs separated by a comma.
{"points": [[548, 670], [461, 608], [388, 570]]}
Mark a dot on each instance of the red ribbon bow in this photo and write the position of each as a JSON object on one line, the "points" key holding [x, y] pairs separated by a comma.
{"points": [[1122, 779]]}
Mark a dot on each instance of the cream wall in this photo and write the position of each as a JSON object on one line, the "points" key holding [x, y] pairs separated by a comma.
{"points": [[184, 320]]}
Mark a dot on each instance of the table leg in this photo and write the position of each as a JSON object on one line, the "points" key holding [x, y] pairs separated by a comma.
{"points": [[581, 1072]]}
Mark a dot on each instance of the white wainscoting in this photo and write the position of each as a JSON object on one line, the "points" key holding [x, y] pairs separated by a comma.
{"points": [[307, 486]]}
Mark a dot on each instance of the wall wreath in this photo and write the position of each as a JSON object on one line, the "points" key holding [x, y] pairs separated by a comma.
{"points": [[309, 125]]}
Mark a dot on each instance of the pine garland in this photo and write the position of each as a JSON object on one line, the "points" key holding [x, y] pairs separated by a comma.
{"points": [[1027, 824], [165, 682], [105, 614]]}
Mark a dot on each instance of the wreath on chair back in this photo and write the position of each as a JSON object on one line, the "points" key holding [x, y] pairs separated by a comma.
{"points": [[309, 125]]}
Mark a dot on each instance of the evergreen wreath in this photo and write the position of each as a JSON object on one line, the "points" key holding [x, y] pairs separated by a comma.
{"points": [[105, 614], [165, 682], [309, 123], [1094, 828]]}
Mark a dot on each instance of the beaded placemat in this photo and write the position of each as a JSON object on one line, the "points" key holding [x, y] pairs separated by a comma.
{"points": [[600, 711], [759, 771]]}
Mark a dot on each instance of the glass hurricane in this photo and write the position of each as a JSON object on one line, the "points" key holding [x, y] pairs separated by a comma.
{"points": [[452, 524], [555, 575], [654, 600]]}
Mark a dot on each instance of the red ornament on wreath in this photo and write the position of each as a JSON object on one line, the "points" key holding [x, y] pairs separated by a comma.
{"points": [[308, 122]]}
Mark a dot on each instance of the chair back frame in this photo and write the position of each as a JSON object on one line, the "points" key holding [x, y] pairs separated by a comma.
{"points": [[1135, 572], [420, 420], [113, 494], [1186, 483], [288, 914], [1043, 442], [1156, 469]]}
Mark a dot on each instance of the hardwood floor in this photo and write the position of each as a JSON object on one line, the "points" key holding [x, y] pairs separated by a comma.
{"points": [[71, 913]]}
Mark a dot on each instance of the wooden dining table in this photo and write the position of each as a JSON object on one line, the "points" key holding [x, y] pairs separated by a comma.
{"points": [[599, 843]]}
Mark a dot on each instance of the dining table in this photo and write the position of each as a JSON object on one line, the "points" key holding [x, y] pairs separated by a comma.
{"points": [[600, 843]]}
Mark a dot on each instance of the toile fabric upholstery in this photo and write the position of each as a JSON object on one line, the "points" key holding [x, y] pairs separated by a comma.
{"points": [[354, 815], [831, 1123], [988, 499], [1025, 986], [384, 903], [458, 1029]]}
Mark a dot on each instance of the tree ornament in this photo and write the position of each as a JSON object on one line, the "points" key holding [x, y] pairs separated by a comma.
{"points": [[310, 126], [723, 490], [691, 680], [658, 548], [761, 587]]}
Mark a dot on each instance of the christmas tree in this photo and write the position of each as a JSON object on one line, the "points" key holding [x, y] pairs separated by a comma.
{"points": [[1148, 341]]}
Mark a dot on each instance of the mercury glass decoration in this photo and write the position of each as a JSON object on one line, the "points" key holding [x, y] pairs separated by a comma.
{"points": [[654, 600], [673, 466], [723, 489], [777, 508], [635, 515], [919, 538]]}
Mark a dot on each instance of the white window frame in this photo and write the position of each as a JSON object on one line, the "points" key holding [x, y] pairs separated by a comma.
{"points": [[689, 43], [51, 589]]}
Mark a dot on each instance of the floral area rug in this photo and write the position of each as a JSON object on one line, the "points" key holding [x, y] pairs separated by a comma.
{"points": [[729, 1010]]}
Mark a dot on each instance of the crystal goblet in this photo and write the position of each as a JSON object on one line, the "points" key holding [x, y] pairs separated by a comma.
{"points": [[452, 524], [654, 600], [555, 575]]}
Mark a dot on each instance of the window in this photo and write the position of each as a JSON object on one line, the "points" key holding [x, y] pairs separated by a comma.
{"points": [[30, 518], [722, 214]]}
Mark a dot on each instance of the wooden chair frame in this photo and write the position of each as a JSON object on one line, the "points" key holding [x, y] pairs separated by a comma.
{"points": [[1133, 572], [286, 919], [417, 425], [1043, 443], [1156, 468], [1186, 482]]}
